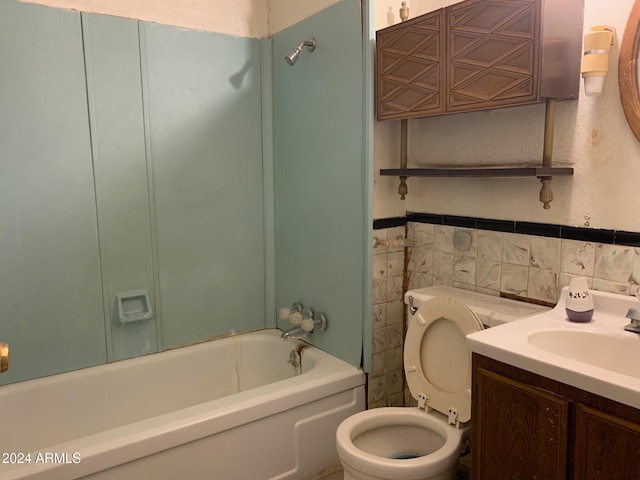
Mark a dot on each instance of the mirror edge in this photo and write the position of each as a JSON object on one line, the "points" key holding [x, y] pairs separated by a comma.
{"points": [[628, 70]]}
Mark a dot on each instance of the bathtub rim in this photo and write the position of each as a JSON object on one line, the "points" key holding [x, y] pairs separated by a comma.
{"points": [[103, 450]]}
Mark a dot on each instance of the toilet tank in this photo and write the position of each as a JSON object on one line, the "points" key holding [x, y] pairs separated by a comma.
{"points": [[490, 309]]}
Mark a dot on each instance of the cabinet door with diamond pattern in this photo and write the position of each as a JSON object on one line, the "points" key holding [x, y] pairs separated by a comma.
{"points": [[410, 72], [492, 54]]}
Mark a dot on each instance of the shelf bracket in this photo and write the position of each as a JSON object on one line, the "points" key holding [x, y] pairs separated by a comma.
{"points": [[546, 194], [545, 172], [402, 188]]}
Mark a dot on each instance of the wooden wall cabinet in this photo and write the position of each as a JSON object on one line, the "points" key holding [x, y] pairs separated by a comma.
{"points": [[478, 55], [410, 68], [492, 54], [526, 427]]}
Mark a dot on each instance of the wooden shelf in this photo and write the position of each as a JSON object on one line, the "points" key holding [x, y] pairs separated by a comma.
{"points": [[478, 172]]}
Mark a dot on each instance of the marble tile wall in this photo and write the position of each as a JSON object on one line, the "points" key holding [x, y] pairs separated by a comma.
{"points": [[385, 387], [530, 266]]}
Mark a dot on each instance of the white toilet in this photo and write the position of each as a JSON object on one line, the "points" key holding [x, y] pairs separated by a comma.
{"points": [[408, 443]]}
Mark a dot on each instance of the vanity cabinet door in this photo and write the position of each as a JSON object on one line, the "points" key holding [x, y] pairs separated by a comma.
{"points": [[520, 431], [606, 446]]}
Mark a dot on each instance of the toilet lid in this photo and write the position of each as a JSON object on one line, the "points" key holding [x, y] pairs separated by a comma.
{"points": [[437, 362]]}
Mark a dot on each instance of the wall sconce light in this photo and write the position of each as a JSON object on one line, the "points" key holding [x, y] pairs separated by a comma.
{"points": [[595, 62]]}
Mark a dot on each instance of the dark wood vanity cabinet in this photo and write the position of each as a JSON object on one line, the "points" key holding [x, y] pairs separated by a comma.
{"points": [[605, 445], [478, 55], [527, 427], [526, 437]]}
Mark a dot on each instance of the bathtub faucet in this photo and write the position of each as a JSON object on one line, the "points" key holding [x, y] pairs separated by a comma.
{"points": [[294, 332], [304, 321]]}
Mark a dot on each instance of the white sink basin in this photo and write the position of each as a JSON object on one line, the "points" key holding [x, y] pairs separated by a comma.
{"points": [[598, 356], [617, 353]]}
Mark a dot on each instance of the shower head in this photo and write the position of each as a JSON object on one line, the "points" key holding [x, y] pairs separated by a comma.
{"points": [[310, 43], [292, 57]]}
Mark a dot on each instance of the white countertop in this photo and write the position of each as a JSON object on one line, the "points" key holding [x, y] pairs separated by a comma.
{"points": [[579, 360]]}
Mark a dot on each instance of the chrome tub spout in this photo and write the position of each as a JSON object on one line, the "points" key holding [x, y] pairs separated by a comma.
{"points": [[294, 332]]}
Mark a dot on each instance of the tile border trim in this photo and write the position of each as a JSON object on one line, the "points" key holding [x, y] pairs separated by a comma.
{"points": [[598, 235], [389, 222]]}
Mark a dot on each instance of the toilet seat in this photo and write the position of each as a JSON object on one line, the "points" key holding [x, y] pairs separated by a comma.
{"points": [[437, 362]]}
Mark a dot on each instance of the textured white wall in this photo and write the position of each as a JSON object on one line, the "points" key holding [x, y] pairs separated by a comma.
{"points": [[591, 135], [242, 18], [284, 13]]}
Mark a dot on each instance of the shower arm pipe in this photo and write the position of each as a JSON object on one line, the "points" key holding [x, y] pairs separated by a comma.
{"points": [[310, 43], [546, 194]]}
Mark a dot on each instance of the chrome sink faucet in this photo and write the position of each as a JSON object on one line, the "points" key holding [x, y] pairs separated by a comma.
{"points": [[634, 315]]}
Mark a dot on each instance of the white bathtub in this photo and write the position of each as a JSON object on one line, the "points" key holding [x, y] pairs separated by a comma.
{"points": [[228, 409]]}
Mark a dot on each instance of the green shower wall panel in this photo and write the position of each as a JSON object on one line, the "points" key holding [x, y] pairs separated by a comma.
{"points": [[50, 288], [114, 82], [183, 201], [203, 94], [320, 186]]}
